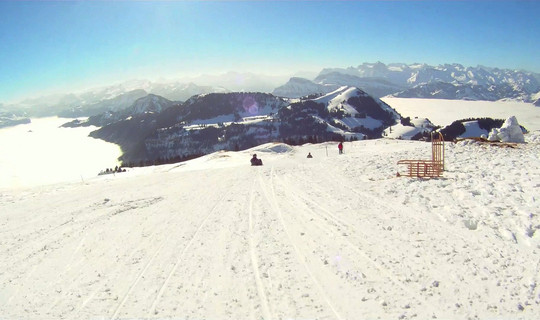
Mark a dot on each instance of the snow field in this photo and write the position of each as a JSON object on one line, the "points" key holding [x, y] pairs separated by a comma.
{"points": [[443, 112], [333, 237]]}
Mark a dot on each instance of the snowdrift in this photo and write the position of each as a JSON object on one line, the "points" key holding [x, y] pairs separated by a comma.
{"points": [[509, 132]]}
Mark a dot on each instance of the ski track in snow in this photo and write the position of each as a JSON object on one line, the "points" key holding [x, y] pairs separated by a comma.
{"points": [[253, 255], [353, 238], [349, 232], [333, 237], [276, 207], [147, 266], [175, 267]]}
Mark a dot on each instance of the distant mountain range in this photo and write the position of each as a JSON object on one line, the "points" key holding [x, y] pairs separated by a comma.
{"points": [[157, 130], [8, 119], [110, 98], [149, 104], [449, 81]]}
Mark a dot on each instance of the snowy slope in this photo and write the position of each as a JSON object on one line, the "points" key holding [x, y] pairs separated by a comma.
{"points": [[473, 130], [400, 131], [333, 237], [336, 97]]}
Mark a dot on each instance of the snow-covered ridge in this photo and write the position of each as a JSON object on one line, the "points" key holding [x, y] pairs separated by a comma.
{"points": [[339, 98], [339, 95], [150, 103], [234, 121]]}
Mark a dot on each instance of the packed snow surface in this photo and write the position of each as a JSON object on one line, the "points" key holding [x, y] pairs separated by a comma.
{"points": [[332, 237]]}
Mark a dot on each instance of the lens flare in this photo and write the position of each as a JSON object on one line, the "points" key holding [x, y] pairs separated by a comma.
{"points": [[250, 105]]}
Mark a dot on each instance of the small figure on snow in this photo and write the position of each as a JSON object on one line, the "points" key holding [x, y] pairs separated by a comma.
{"points": [[340, 147], [255, 161], [309, 155]]}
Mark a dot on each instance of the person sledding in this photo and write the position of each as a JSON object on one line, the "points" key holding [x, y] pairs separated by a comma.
{"points": [[255, 161]]}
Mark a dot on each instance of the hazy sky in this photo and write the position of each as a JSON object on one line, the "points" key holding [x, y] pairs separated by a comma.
{"points": [[67, 45]]}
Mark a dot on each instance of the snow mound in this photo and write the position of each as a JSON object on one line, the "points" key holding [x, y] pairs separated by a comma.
{"points": [[422, 123], [274, 148], [509, 132], [400, 131], [219, 155]]}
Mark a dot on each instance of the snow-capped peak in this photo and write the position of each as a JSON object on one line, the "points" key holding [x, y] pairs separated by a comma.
{"points": [[150, 103], [344, 93]]}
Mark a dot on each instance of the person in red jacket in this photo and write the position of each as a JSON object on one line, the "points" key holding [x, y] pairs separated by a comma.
{"points": [[340, 147]]}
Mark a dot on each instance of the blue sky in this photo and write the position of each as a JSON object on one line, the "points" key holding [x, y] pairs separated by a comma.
{"points": [[66, 45]]}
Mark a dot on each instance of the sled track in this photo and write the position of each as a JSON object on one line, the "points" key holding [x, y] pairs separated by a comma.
{"points": [[153, 308], [138, 278], [74, 224], [441, 227], [367, 198], [340, 223], [253, 255], [134, 284], [76, 227], [270, 196]]}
